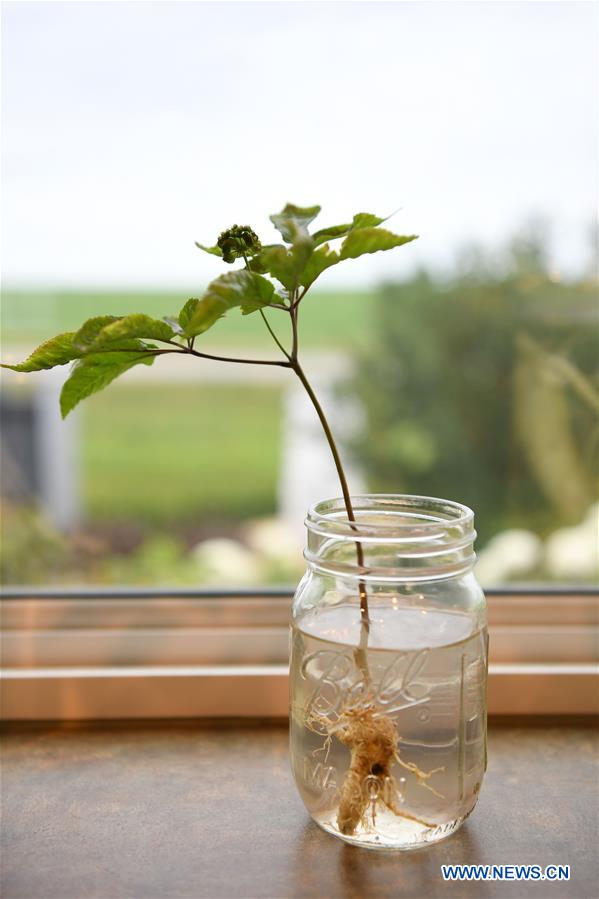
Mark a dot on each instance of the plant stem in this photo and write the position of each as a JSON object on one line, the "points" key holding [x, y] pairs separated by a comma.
{"points": [[327, 430], [293, 316], [361, 656], [293, 363], [273, 335], [364, 616], [189, 351], [264, 318], [233, 359]]}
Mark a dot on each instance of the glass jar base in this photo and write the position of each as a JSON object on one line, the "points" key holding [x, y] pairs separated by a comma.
{"points": [[393, 835]]}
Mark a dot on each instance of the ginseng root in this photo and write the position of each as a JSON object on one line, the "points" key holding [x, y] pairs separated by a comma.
{"points": [[373, 743]]}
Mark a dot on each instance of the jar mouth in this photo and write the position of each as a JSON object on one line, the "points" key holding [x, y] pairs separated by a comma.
{"points": [[401, 535], [389, 515]]}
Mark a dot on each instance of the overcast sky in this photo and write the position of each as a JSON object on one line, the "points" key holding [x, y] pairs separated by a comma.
{"points": [[132, 129]]}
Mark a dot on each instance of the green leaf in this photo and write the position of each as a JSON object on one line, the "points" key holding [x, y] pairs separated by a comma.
{"points": [[173, 322], [214, 251], [286, 264], [371, 240], [360, 220], [362, 237], [90, 329], [260, 262], [320, 237], [187, 311], [293, 219], [57, 351], [277, 261], [320, 260], [137, 325], [366, 220], [96, 371], [239, 288]]}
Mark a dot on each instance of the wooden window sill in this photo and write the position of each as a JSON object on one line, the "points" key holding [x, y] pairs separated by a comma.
{"points": [[208, 810]]}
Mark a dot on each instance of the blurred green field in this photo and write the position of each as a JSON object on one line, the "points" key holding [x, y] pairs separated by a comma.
{"points": [[329, 319], [173, 455], [176, 455]]}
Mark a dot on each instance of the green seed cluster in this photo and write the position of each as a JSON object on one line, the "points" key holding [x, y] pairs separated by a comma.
{"points": [[237, 242]]}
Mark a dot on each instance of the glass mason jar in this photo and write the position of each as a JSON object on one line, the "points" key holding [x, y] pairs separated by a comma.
{"points": [[388, 710]]}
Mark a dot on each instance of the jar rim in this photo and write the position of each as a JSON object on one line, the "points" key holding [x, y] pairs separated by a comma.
{"points": [[426, 515], [404, 537]]}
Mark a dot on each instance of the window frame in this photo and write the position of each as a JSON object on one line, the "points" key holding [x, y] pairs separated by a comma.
{"points": [[80, 654]]}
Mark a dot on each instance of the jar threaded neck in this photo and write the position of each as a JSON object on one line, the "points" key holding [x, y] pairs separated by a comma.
{"points": [[403, 537]]}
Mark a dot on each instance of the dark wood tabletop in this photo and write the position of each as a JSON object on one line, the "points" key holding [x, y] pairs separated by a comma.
{"points": [[209, 811]]}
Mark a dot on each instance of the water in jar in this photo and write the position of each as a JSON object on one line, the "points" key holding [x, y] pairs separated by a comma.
{"points": [[427, 674]]}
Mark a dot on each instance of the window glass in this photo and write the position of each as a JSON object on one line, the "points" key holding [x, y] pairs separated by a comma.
{"points": [[463, 365]]}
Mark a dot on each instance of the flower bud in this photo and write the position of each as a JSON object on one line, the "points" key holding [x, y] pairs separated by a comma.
{"points": [[237, 242]]}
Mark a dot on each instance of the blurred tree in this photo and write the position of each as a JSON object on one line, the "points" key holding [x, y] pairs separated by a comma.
{"points": [[463, 395]]}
